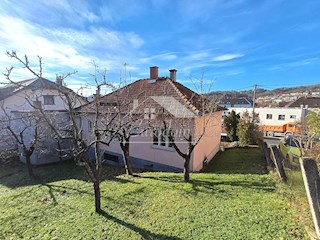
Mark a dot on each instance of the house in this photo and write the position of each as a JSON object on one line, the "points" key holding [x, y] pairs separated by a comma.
{"points": [[274, 119], [39, 92], [17, 104], [310, 102], [237, 102], [154, 100]]}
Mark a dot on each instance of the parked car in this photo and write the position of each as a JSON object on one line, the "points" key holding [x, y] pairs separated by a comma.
{"points": [[290, 149]]}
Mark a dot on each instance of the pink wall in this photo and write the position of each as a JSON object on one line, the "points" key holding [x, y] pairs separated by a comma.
{"points": [[142, 146], [209, 144]]}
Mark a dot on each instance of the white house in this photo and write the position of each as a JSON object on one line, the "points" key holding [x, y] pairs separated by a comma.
{"points": [[238, 102], [274, 116], [39, 92], [19, 100]]}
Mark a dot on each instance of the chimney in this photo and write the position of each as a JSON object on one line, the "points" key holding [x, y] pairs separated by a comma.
{"points": [[173, 74], [154, 72], [59, 81]]}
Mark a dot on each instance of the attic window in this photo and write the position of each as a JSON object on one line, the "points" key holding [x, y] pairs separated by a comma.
{"points": [[149, 113], [48, 100]]}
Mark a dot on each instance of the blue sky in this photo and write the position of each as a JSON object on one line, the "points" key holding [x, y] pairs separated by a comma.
{"points": [[234, 43]]}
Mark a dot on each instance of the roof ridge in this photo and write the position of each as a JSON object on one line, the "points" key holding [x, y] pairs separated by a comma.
{"points": [[183, 97]]}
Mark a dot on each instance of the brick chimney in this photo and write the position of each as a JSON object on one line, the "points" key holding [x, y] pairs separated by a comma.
{"points": [[154, 72], [59, 81], [173, 74]]}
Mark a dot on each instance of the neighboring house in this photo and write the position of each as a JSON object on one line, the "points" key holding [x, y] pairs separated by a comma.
{"points": [[39, 92], [152, 100], [275, 121], [310, 102], [240, 102], [18, 100]]}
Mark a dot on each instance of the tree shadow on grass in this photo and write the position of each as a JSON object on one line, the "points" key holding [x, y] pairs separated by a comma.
{"points": [[145, 234], [211, 185], [241, 160], [16, 175]]}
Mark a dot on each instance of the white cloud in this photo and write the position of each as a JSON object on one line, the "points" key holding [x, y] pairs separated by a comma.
{"points": [[226, 57], [64, 49], [159, 57], [294, 64]]}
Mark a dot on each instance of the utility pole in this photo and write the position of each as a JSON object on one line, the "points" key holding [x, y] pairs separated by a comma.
{"points": [[254, 97]]}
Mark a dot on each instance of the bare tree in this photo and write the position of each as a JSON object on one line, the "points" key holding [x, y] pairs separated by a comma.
{"points": [[190, 130], [129, 121], [71, 132], [25, 129]]}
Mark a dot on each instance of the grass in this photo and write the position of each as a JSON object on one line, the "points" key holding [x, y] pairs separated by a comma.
{"points": [[294, 191], [221, 205], [238, 160]]}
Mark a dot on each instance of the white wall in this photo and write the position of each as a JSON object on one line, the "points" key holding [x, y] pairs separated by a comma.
{"points": [[19, 101], [300, 113]]}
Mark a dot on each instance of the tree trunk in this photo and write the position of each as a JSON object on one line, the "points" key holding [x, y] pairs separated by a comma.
{"points": [[126, 158], [29, 166], [97, 196], [186, 170]]}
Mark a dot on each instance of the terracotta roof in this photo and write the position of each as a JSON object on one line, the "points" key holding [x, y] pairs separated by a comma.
{"points": [[152, 93], [311, 102]]}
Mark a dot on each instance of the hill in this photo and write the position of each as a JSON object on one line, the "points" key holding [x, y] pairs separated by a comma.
{"points": [[260, 92]]}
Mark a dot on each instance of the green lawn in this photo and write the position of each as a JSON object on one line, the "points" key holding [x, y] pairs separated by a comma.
{"points": [[222, 205], [238, 160]]}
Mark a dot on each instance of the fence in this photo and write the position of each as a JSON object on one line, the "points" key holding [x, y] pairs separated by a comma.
{"points": [[310, 174]]}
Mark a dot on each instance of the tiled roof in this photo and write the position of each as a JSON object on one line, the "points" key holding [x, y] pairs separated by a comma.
{"points": [[234, 101], [311, 102], [152, 92]]}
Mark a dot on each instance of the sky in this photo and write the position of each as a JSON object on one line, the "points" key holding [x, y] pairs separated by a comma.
{"points": [[228, 44]]}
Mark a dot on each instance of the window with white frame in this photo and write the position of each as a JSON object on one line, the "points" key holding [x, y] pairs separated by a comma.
{"points": [[293, 116], [160, 137], [269, 116], [281, 117], [146, 113], [149, 113], [48, 100]]}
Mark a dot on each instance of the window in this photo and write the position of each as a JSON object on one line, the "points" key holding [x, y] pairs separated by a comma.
{"points": [[269, 116], [155, 136], [152, 113], [149, 113], [293, 116], [146, 113], [48, 100], [160, 138], [134, 131], [281, 117], [110, 157], [37, 104], [89, 125]]}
